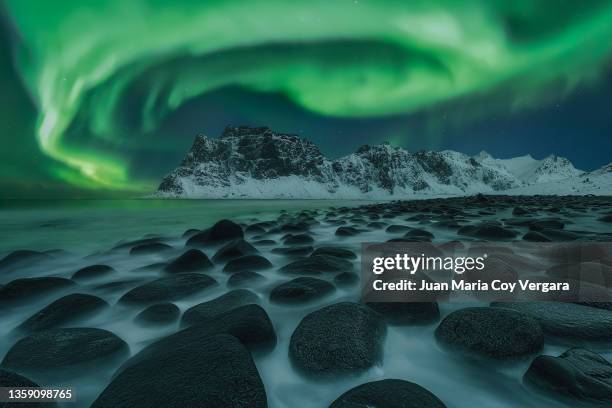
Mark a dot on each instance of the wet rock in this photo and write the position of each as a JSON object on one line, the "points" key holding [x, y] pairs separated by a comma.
{"points": [[244, 278], [64, 311], [299, 239], [346, 279], [168, 289], [336, 252], [255, 229], [567, 320], [204, 311], [299, 251], [190, 232], [222, 231], [191, 260], [405, 313], [233, 250], [14, 380], [591, 272], [248, 262], [605, 218], [216, 369], [518, 211], [398, 228], [23, 257], [376, 225], [346, 231], [159, 314], [546, 224], [118, 285], [316, 265], [150, 248], [338, 339], [388, 394], [137, 242], [535, 236], [301, 290], [25, 289], [486, 231], [419, 233], [93, 272], [59, 349], [490, 332], [578, 374]]}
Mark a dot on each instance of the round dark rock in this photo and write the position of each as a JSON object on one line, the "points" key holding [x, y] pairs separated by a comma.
{"points": [[191, 260], [217, 370], [25, 289], [404, 313], [315, 265], [388, 394], [92, 272], [205, 311], [168, 289], [64, 311], [518, 211], [338, 339], [578, 374], [299, 239], [346, 279], [301, 290], [159, 314], [567, 320], [419, 233], [540, 225], [222, 231], [264, 242], [13, 380], [150, 248], [244, 278], [56, 349], [233, 250], [346, 231], [491, 332], [23, 257], [248, 262], [334, 251], [606, 218]]}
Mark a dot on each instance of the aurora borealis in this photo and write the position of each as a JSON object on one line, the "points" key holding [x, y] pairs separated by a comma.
{"points": [[106, 79]]}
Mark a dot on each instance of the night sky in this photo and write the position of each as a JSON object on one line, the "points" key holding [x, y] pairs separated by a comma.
{"points": [[101, 98]]}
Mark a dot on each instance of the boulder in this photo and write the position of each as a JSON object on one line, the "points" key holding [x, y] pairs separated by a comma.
{"points": [[92, 272], [59, 349], [234, 249], [25, 289], [191, 260], [301, 290], [338, 339], [222, 231], [248, 262], [578, 374], [208, 310], [217, 370], [65, 311], [159, 314], [567, 320], [168, 289], [490, 332], [389, 393]]}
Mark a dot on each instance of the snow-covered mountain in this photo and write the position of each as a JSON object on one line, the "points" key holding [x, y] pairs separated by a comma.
{"points": [[260, 163]]}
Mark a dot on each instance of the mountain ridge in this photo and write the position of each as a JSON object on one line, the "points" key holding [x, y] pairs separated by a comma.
{"points": [[247, 162]]}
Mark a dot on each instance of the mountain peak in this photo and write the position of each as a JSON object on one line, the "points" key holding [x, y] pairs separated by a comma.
{"points": [[257, 162]]}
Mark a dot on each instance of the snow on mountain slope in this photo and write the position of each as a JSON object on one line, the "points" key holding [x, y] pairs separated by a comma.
{"points": [[260, 163]]}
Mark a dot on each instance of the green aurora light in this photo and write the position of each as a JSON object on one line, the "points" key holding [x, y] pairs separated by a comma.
{"points": [[82, 59]]}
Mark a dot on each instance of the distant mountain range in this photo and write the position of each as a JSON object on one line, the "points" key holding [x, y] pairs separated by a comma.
{"points": [[250, 162]]}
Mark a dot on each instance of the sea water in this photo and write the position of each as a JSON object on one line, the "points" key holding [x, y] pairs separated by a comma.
{"points": [[82, 231]]}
